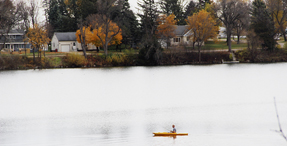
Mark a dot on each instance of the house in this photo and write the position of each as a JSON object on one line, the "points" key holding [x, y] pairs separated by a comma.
{"points": [[14, 40], [182, 36], [67, 42], [222, 33]]}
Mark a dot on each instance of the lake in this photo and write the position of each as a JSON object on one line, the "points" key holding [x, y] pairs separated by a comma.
{"points": [[218, 105]]}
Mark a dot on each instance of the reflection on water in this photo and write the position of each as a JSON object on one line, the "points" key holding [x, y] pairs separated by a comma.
{"points": [[219, 105]]}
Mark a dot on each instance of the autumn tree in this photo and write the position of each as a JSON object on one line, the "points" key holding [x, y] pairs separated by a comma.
{"points": [[104, 32], [166, 27], [202, 27], [278, 11], [228, 12], [37, 37], [96, 36], [263, 24]]}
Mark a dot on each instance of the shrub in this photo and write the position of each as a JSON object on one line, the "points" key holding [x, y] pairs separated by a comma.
{"points": [[75, 60], [116, 59], [11, 61], [242, 55]]}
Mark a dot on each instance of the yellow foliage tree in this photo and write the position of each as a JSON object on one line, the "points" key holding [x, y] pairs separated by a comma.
{"points": [[37, 37], [79, 37], [279, 14], [203, 27], [98, 35], [103, 35], [166, 27]]}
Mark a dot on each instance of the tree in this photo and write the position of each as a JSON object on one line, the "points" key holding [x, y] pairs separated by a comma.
{"points": [[96, 36], [175, 7], [190, 9], [278, 10], [202, 3], [10, 16], [150, 52], [37, 37], [82, 35], [241, 26], [127, 21], [228, 12], [166, 27], [104, 32], [253, 42], [263, 24], [203, 27]]}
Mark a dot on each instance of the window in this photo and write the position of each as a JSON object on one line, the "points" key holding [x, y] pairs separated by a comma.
{"points": [[176, 40], [12, 36]]}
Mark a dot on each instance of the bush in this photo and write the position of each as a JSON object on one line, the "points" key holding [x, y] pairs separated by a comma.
{"points": [[74, 60], [243, 55], [116, 59], [11, 61], [51, 62]]}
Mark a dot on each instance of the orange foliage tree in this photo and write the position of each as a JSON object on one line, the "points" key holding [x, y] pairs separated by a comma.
{"points": [[37, 37], [203, 27], [101, 32], [166, 27], [97, 36]]}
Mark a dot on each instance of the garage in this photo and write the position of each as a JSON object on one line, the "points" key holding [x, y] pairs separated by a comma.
{"points": [[65, 48]]}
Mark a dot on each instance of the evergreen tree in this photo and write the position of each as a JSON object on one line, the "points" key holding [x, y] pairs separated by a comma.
{"points": [[263, 24], [150, 53], [169, 7], [202, 3], [129, 24], [190, 9], [62, 15]]}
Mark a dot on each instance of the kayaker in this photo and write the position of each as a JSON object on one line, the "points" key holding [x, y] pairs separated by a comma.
{"points": [[173, 129]]}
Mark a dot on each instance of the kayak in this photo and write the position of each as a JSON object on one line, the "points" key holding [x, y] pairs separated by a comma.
{"points": [[169, 134]]}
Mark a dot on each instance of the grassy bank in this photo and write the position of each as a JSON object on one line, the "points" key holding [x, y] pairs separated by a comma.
{"points": [[133, 58]]}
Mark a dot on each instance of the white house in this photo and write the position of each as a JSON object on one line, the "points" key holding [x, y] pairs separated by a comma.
{"points": [[182, 36], [64, 42], [222, 32], [67, 42]]}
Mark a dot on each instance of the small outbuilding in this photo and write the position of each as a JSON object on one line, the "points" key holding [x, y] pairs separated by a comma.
{"points": [[67, 42], [64, 42]]}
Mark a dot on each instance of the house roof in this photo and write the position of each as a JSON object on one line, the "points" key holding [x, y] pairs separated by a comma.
{"points": [[66, 36], [13, 31], [181, 30]]}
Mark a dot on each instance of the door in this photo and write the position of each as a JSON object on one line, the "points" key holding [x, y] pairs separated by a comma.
{"points": [[65, 48]]}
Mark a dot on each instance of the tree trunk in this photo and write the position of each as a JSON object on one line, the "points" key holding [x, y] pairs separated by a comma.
{"points": [[238, 39], [34, 56], [106, 48], [229, 39], [83, 44], [284, 34], [199, 53]]}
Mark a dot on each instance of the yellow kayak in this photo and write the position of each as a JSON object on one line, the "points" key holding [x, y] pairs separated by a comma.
{"points": [[169, 134]]}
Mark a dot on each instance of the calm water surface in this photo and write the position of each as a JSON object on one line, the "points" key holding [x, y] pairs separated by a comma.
{"points": [[218, 105]]}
